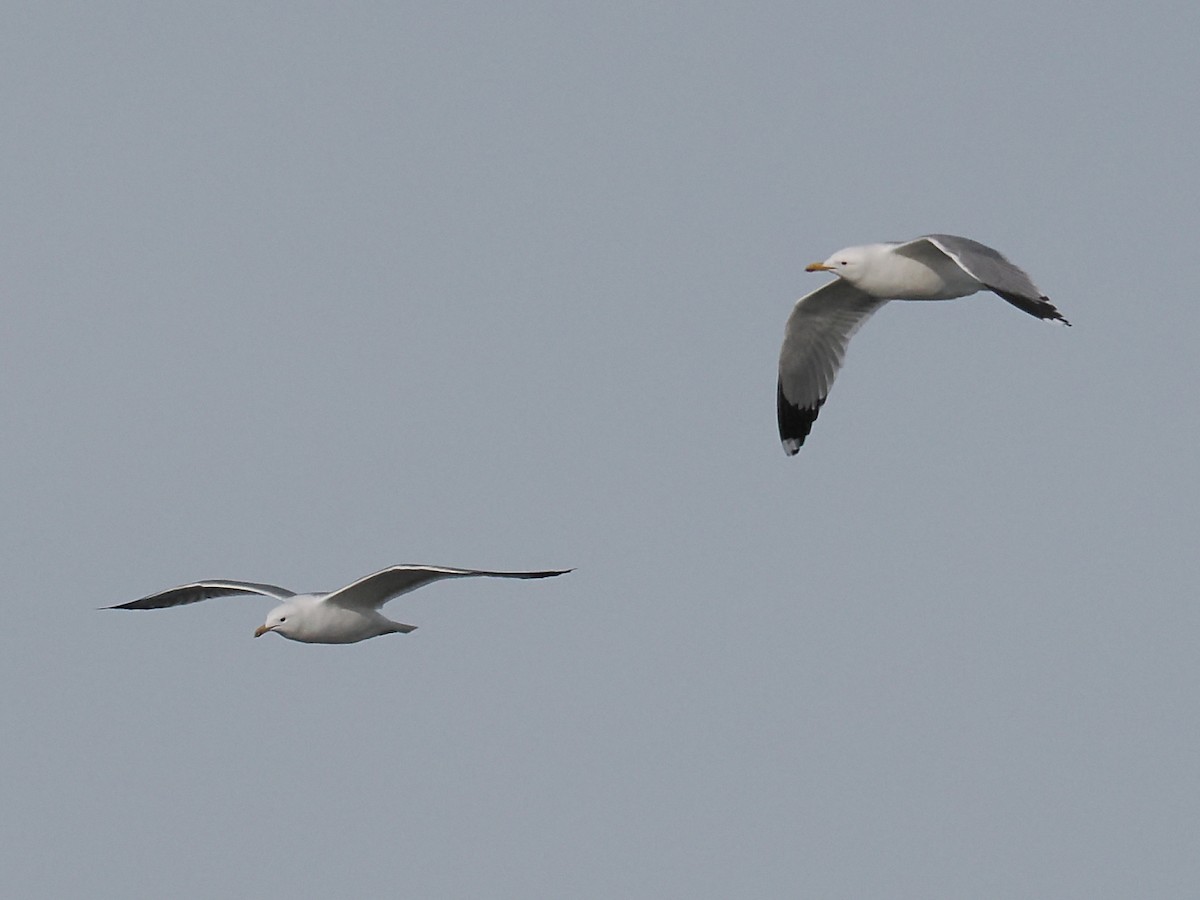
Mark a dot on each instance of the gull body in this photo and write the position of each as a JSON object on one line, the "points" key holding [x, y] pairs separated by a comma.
{"points": [[307, 619], [933, 267], [345, 616]]}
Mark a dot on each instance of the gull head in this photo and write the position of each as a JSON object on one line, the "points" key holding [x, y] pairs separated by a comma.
{"points": [[281, 619], [850, 263]]}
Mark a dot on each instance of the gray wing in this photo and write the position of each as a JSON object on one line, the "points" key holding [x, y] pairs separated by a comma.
{"points": [[205, 590], [814, 344], [375, 590], [996, 273]]}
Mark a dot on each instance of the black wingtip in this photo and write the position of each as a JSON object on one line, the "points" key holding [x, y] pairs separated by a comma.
{"points": [[1041, 308], [795, 422]]}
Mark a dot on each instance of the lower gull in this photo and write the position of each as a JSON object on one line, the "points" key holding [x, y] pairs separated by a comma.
{"points": [[344, 616]]}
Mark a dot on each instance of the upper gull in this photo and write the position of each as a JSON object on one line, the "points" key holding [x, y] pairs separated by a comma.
{"points": [[933, 267]]}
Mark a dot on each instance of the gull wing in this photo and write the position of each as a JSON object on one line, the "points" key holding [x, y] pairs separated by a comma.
{"points": [[375, 590], [205, 590], [996, 273], [814, 345]]}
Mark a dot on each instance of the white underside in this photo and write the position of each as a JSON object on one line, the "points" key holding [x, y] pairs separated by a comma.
{"points": [[895, 277], [313, 621]]}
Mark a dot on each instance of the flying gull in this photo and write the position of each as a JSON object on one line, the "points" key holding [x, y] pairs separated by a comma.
{"points": [[343, 616], [933, 267]]}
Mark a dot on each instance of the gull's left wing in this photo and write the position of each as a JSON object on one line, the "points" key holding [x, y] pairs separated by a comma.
{"points": [[375, 590]]}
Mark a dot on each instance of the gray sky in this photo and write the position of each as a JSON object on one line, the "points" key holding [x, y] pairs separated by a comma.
{"points": [[293, 292]]}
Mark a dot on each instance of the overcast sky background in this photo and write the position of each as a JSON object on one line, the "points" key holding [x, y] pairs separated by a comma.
{"points": [[293, 292]]}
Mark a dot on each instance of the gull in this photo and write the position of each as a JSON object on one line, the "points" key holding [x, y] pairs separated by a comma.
{"points": [[344, 616], [932, 267]]}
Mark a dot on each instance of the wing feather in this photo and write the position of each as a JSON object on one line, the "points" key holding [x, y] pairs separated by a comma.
{"points": [[814, 345], [204, 590], [372, 591], [994, 271]]}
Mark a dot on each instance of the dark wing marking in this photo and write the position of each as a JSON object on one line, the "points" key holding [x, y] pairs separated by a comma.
{"points": [[795, 422]]}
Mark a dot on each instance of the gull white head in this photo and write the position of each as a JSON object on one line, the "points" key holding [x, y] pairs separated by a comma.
{"points": [[281, 619], [849, 263]]}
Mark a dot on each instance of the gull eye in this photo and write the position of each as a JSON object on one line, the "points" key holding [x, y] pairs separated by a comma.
{"points": [[283, 618], [842, 263]]}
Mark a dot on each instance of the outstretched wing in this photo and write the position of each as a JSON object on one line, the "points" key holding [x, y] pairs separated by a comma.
{"points": [[375, 590], [205, 590], [814, 345], [996, 273]]}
